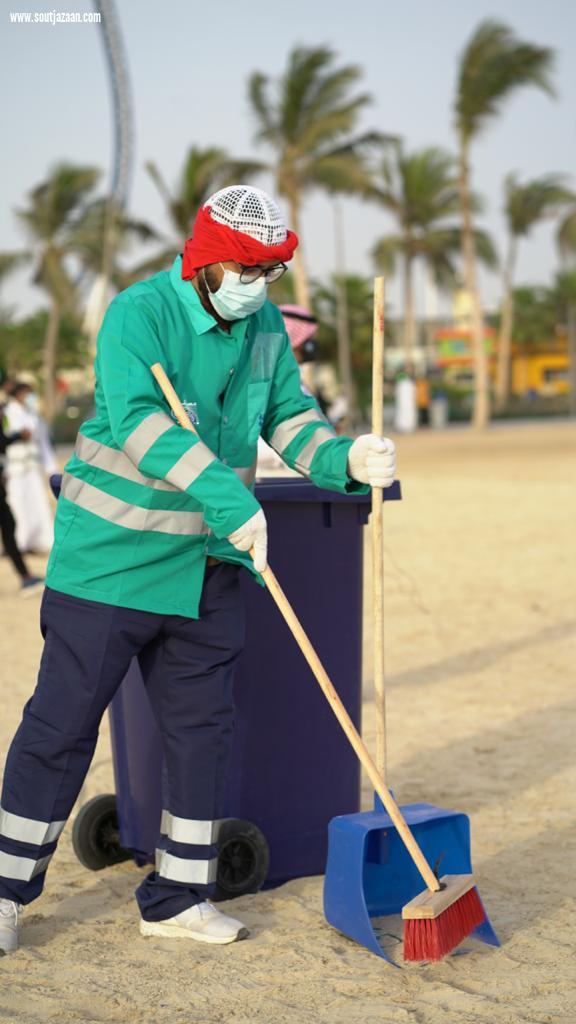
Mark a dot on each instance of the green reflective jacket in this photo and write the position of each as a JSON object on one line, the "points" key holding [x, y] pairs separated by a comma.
{"points": [[143, 501]]}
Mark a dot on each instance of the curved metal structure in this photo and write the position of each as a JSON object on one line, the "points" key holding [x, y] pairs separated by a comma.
{"points": [[122, 160], [123, 148]]}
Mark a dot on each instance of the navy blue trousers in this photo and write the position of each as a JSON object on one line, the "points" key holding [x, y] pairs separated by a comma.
{"points": [[188, 667]]}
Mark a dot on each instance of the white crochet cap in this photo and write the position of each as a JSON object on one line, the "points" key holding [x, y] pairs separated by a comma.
{"points": [[247, 209]]}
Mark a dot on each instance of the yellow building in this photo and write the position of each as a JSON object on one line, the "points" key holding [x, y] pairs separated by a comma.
{"points": [[541, 371]]}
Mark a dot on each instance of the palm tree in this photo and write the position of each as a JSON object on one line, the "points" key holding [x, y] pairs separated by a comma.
{"points": [[54, 209], [204, 172], [495, 64], [525, 206], [308, 118], [420, 190]]}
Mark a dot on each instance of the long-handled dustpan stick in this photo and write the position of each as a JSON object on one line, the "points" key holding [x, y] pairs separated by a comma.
{"points": [[378, 533]]}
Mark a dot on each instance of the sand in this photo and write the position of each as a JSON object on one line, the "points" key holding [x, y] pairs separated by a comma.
{"points": [[481, 652]]}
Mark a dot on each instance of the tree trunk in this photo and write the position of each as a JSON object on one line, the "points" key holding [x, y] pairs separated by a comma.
{"points": [[342, 321], [505, 337], [301, 284], [50, 351], [409, 324], [481, 411]]}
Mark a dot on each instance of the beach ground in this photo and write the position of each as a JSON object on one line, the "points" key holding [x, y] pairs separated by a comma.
{"points": [[480, 663]]}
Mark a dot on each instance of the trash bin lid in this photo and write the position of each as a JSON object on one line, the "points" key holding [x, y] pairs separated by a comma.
{"points": [[291, 489]]}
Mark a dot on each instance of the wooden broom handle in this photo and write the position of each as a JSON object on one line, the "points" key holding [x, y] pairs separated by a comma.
{"points": [[172, 398], [349, 728], [321, 675], [378, 532]]}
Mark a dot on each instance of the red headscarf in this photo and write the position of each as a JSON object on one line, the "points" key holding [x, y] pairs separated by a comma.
{"points": [[212, 242]]}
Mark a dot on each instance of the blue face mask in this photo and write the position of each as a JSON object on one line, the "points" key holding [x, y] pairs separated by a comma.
{"points": [[234, 300]]}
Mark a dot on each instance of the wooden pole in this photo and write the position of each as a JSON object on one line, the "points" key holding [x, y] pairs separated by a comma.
{"points": [[378, 532]]}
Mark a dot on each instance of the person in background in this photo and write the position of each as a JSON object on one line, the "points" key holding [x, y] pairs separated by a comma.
{"points": [[423, 400], [301, 327], [405, 409], [30, 584], [319, 380], [27, 464]]}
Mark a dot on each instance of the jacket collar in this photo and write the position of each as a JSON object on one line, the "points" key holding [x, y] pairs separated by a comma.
{"points": [[202, 322], [186, 292]]}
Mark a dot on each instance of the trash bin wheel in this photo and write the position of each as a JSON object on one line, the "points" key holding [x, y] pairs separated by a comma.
{"points": [[243, 859], [95, 835]]}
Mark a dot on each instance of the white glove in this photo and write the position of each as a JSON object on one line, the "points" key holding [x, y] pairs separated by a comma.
{"points": [[372, 460], [253, 534]]}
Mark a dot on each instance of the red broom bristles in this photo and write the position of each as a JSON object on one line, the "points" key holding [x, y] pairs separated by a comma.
{"points": [[432, 938]]}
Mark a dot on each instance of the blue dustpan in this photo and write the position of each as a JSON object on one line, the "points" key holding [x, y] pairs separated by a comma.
{"points": [[370, 874]]}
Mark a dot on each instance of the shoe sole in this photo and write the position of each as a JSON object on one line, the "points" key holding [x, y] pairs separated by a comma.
{"points": [[172, 931]]}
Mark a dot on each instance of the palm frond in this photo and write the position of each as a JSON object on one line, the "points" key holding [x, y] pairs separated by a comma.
{"points": [[259, 99], [567, 234], [494, 64], [526, 204], [54, 201], [386, 252], [339, 174], [11, 261]]}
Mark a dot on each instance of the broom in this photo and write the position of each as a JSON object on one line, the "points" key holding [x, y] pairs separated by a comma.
{"points": [[433, 924], [439, 918]]}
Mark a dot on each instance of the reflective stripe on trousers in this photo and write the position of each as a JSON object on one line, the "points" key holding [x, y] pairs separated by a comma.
{"points": [[193, 869], [27, 830], [18, 834], [22, 869]]}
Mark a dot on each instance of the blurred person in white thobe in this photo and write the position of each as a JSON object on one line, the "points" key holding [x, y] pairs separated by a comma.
{"points": [[405, 405], [28, 464]]}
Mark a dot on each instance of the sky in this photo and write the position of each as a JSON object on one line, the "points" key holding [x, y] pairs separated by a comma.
{"points": [[189, 63]]}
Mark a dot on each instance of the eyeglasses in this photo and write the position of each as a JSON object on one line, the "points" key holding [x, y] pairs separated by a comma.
{"points": [[250, 274]]}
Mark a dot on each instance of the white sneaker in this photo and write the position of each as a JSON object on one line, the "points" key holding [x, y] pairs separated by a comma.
{"points": [[8, 926], [202, 922]]}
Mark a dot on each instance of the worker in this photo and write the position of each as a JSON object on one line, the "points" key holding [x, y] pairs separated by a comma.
{"points": [[152, 528]]}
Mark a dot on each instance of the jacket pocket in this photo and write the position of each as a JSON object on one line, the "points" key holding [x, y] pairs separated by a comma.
{"points": [[258, 392]]}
